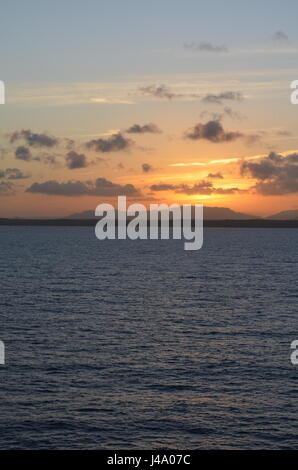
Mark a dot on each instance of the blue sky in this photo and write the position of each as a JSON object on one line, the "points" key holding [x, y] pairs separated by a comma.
{"points": [[92, 39]]}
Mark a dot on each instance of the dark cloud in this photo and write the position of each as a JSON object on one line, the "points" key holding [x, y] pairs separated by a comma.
{"points": [[206, 47], [163, 187], [75, 160], [159, 91], [12, 174], [147, 168], [212, 131], [276, 174], [51, 159], [253, 139], [113, 143], [162, 91], [284, 133], [23, 153], [6, 188], [233, 114], [69, 143], [280, 36], [215, 175], [146, 128], [205, 187], [220, 97], [100, 187], [202, 187], [34, 139], [227, 111]]}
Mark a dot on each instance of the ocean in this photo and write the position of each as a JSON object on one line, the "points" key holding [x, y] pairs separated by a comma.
{"points": [[142, 345]]}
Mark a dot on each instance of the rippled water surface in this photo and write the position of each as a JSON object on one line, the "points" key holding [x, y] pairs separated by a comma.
{"points": [[140, 344]]}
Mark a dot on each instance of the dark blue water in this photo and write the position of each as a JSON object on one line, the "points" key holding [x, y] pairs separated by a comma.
{"points": [[140, 344]]}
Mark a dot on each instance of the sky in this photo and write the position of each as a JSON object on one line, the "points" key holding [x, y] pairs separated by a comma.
{"points": [[162, 101]]}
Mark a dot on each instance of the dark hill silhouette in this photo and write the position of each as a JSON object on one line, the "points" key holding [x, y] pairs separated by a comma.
{"points": [[210, 213], [285, 215]]}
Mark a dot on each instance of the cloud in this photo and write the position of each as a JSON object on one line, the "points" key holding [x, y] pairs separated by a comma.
{"points": [[253, 139], [212, 131], [276, 174], [51, 159], [12, 174], [6, 188], [147, 168], [215, 175], [23, 153], [280, 36], [220, 97], [284, 133], [100, 187], [162, 91], [113, 143], [146, 128], [227, 111], [163, 187], [34, 139], [202, 187], [159, 91], [75, 160], [205, 187], [206, 47]]}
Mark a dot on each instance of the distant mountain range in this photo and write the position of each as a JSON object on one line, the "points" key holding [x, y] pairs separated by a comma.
{"points": [[210, 213], [214, 213], [285, 215]]}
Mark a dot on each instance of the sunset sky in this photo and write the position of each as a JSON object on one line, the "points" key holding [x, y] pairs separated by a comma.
{"points": [[164, 101]]}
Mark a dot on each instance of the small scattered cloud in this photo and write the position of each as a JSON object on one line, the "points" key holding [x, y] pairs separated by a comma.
{"points": [[205, 187], [253, 139], [69, 143], [99, 187], [163, 187], [218, 98], [113, 143], [6, 188], [280, 36], [275, 174], [233, 114], [205, 46], [226, 112], [215, 175], [284, 133], [147, 168], [34, 139], [51, 159], [164, 92], [142, 129], [159, 91], [12, 174], [212, 131], [75, 160], [202, 187], [24, 153]]}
